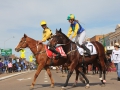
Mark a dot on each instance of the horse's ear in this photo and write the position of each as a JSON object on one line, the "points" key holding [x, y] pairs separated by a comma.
{"points": [[56, 30], [25, 35], [60, 30]]}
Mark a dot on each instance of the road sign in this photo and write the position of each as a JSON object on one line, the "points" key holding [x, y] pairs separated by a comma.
{"points": [[6, 52]]}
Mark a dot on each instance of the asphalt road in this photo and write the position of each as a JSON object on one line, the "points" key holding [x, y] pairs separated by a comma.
{"points": [[23, 82]]}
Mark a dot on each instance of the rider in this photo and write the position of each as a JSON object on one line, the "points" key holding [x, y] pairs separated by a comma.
{"points": [[47, 34], [78, 32]]}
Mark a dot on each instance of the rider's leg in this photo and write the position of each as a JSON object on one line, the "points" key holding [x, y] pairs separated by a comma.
{"points": [[79, 41], [53, 50]]}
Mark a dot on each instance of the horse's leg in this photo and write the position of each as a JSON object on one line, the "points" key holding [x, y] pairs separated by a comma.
{"points": [[100, 75], [72, 67], [87, 69], [104, 77], [40, 67], [102, 64], [50, 75], [93, 70], [76, 79], [84, 76]]}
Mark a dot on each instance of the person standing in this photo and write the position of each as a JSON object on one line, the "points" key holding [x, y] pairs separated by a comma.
{"points": [[115, 58], [10, 67], [1, 66]]}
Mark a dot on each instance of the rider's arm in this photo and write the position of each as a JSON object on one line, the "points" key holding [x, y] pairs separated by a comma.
{"points": [[76, 30], [46, 35], [69, 31]]}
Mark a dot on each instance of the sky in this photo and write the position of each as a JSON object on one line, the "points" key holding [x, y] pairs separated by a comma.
{"points": [[24, 16]]}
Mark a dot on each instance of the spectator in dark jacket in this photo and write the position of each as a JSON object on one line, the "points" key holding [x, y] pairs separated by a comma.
{"points": [[1, 65]]}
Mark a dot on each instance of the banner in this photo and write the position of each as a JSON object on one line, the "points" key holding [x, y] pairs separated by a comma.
{"points": [[22, 53], [30, 58]]}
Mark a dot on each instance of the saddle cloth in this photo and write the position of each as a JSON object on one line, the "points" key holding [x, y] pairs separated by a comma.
{"points": [[90, 46], [50, 54]]}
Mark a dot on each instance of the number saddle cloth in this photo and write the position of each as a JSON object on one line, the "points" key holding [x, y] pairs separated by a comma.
{"points": [[90, 46], [50, 54]]}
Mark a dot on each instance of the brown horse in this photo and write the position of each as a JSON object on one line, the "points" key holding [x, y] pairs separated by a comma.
{"points": [[40, 54], [74, 57]]}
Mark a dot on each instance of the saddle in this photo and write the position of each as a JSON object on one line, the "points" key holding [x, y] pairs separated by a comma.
{"points": [[90, 46], [50, 54]]}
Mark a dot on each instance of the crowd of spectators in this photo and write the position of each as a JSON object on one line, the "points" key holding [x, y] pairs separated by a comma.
{"points": [[15, 65]]}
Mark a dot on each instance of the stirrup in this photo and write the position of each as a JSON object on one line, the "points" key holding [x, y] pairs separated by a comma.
{"points": [[57, 57]]}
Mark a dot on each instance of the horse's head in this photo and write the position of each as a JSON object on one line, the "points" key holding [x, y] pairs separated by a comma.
{"points": [[59, 38], [22, 43]]}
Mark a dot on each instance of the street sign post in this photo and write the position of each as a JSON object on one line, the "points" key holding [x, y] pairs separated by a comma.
{"points": [[6, 52]]}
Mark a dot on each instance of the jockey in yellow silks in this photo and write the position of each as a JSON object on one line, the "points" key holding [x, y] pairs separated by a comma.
{"points": [[47, 34], [78, 32]]}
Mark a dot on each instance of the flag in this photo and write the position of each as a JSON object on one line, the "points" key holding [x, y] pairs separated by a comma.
{"points": [[22, 53], [30, 58]]}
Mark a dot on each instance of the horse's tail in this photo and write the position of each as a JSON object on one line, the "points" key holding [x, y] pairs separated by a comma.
{"points": [[108, 64], [101, 52]]}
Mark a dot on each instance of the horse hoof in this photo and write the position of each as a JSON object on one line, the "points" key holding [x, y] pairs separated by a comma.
{"points": [[103, 85], [31, 88], [52, 86], [87, 87], [74, 85], [62, 89], [104, 81]]}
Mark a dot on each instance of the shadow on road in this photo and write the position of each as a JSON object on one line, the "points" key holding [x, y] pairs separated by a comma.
{"points": [[37, 86]]}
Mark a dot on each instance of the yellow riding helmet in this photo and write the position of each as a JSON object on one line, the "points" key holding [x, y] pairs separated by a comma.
{"points": [[43, 23]]}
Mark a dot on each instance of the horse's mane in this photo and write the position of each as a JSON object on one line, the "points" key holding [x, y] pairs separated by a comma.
{"points": [[36, 41], [32, 39], [65, 36]]}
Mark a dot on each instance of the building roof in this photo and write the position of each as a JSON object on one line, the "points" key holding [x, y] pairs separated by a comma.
{"points": [[118, 26]]}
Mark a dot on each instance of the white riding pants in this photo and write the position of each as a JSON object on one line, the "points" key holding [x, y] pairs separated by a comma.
{"points": [[80, 38]]}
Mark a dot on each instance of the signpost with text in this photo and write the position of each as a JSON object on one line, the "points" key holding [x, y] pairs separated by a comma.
{"points": [[6, 52]]}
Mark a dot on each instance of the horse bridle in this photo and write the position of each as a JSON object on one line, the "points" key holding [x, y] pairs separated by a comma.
{"points": [[65, 45], [23, 42], [60, 44]]}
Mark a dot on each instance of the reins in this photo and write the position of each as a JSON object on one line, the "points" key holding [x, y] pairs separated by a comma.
{"points": [[67, 44], [37, 46]]}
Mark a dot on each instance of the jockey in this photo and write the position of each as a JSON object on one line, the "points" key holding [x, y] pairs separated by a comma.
{"points": [[78, 32], [47, 34]]}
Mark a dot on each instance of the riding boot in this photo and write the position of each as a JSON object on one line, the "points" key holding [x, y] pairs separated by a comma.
{"points": [[56, 52], [86, 49]]}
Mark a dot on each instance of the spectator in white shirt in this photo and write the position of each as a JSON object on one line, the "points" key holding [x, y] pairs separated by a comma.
{"points": [[115, 58]]}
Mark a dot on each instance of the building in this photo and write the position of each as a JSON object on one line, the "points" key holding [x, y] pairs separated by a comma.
{"points": [[105, 40], [96, 38], [115, 36]]}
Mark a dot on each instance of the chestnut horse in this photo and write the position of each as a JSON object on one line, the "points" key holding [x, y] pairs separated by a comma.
{"points": [[41, 57], [70, 48]]}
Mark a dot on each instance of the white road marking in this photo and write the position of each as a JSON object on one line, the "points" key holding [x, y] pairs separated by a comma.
{"points": [[23, 79], [45, 81], [45, 77]]}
